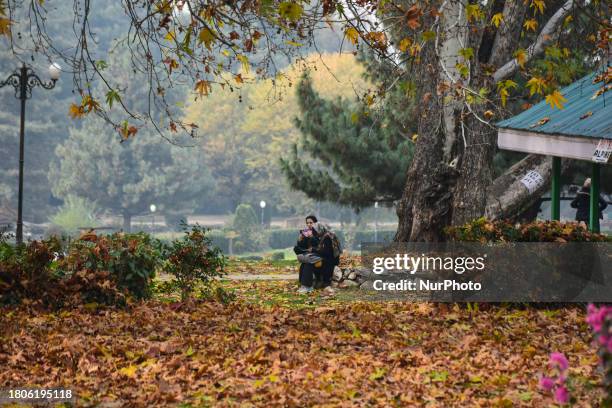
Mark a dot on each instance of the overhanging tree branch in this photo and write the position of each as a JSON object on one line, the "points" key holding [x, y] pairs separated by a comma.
{"points": [[537, 47]]}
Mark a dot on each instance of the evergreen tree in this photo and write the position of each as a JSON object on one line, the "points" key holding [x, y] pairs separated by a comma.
{"points": [[351, 153], [128, 177]]}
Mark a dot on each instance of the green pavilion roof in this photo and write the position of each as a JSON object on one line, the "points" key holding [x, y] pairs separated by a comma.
{"points": [[584, 113]]}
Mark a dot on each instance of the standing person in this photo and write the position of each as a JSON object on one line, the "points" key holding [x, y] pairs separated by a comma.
{"points": [[582, 203]]}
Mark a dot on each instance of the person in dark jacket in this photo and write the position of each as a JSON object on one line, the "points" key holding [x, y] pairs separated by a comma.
{"points": [[326, 251], [307, 243], [315, 243], [582, 203]]}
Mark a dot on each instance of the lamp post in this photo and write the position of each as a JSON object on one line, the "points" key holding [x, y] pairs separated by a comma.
{"points": [[376, 222], [24, 80], [262, 204], [153, 208]]}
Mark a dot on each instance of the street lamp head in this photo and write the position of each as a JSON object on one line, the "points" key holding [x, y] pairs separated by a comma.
{"points": [[54, 71], [182, 14], [153, 208], [262, 204]]}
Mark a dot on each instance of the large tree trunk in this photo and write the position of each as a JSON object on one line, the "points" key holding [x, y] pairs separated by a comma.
{"points": [[439, 190], [509, 198]]}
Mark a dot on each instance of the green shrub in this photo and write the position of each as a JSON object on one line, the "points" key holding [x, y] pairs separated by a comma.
{"points": [[278, 256], [75, 213], [483, 230], [130, 259], [246, 224], [193, 260]]}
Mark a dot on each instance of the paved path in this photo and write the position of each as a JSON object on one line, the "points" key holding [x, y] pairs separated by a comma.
{"points": [[253, 277]]}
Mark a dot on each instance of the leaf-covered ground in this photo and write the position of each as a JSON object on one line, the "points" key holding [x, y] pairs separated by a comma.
{"points": [[274, 348]]}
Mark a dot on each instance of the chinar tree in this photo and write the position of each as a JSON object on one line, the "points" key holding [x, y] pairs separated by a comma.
{"points": [[469, 62]]}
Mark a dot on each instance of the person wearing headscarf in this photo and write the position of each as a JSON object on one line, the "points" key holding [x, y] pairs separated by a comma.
{"points": [[582, 203]]}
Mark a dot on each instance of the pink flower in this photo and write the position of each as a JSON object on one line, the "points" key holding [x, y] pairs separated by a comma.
{"points": [[547, 383], [561, 395], [559, 360]]}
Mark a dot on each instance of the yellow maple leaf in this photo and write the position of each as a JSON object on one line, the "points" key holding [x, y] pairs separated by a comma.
{"points": [[244, 61], [521, 57], [530, 24], [75, 111], [555, 99], [497, 19], [5, 26], [405, 44], [129, 371], [473, 12], [536, 85], [352, 34], [202, 87], [538, 5], [170, 36], [207, 37], [503, 94]]}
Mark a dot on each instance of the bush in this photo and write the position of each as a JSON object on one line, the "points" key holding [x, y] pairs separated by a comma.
{"points": [[25, 270], [483, 230], [246, 224], [75, 213], [278, 256], [193, 260], [129, 259]]}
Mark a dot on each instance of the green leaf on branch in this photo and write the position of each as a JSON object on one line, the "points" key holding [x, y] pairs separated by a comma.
{"points": [[101, 65], [466, 53], [111, 97], [291, 11]]}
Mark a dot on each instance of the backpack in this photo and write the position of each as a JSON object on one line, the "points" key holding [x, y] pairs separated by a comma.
{"points": [[337, 246]]}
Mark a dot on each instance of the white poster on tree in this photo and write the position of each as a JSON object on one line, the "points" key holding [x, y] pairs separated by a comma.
{"points": [[532, 180]]}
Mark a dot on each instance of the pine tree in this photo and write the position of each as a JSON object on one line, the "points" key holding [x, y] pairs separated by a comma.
{"points": [[352, 154]]}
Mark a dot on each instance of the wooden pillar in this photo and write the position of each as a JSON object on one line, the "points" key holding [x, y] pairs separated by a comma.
{"points": [[555, 199], [594, 204]]}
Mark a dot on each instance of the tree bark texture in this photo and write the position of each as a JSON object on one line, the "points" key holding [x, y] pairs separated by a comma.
{"points": [[450, 180]]}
